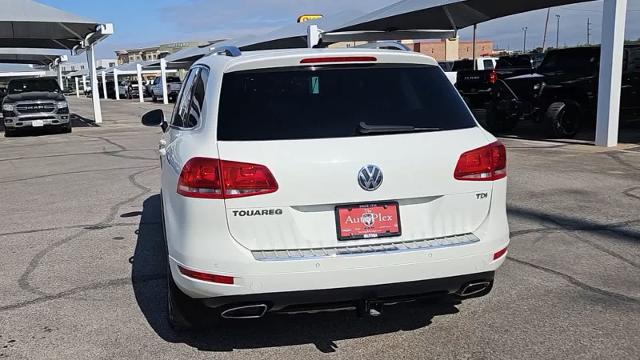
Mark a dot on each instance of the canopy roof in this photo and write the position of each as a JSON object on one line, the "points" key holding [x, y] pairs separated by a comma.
{"points": [[444, 14], [28, 56], [20, 70], [292, 36], [28, 24]]}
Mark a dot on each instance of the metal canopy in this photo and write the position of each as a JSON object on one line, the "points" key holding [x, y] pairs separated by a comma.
{"points": [[28, 24], [16, 70], [29, 56], [444, 14], [290, 36]]}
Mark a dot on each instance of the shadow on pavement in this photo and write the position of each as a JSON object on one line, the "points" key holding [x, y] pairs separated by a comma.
{"points": [[629, 132], [322, 330]]}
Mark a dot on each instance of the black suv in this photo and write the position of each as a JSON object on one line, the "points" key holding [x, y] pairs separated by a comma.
{"points": [[33, 103], [563, 93]]}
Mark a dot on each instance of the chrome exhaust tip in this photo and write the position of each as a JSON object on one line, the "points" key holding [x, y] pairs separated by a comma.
{"points": [[474, 288], [255, 311]]}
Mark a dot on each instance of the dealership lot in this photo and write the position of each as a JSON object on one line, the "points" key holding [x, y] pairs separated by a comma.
{"points": [[82, 274]]}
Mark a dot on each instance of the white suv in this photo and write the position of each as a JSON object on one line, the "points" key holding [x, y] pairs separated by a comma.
{"points": [[316, 179]]}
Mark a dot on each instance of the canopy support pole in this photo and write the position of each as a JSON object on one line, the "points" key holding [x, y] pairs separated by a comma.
{"points": [[77, 87], [313, 36], [95, 94], [475, 29], [610, 84], [104, 85], [163, 74], [60, 83], [116, 83], [84, 84], [140, 88]]}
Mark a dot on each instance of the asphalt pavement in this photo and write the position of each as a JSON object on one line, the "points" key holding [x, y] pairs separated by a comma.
{"points": [[82, 267]]}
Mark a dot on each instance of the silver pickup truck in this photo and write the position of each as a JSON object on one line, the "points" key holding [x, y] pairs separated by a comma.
{"points": [[174, 84], [34, 103]]}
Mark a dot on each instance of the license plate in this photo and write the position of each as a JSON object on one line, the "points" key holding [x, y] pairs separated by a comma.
{"points": [[37, 123], [368, 221]]}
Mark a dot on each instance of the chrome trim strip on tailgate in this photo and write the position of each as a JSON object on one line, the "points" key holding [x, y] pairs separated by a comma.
{"points": [[359, 250]]}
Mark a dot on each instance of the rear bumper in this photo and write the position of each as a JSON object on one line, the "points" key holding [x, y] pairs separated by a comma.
{"points": [[435, 268], [354, 297]]}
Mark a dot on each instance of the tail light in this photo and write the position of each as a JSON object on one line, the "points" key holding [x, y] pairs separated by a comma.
{"points": [[493, 77], [487, 163], [220, 179]]}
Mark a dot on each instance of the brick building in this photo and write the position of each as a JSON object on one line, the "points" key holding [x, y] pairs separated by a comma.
{"points": [[451, 49]]}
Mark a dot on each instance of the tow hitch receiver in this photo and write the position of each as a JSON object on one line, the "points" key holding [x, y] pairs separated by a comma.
{"points": [[371, 308]]}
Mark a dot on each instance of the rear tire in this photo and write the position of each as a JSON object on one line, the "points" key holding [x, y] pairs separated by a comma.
{"points": [[562, 119], [154, 98], [498, 121], [177, 305]]}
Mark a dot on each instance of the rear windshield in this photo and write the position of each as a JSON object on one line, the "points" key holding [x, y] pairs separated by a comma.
{"points": [[461, 65], [173, 79], [33, 85], [330, 101], [514, 62]]}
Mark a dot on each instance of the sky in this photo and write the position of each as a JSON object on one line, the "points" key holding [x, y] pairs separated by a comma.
{"points": [[146, 23]]}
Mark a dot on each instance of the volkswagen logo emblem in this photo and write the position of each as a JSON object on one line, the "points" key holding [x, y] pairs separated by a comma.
{"points": [[370, 177]]}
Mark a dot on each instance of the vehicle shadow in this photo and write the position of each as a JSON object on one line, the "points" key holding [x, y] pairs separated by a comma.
{"points": [[321, 330], [629, 132]]}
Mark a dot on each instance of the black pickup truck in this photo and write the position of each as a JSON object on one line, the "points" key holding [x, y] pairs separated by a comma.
{"points": [[476, 86], [562, 95]]}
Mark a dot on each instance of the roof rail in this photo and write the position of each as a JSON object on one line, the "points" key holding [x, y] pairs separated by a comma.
{"points": [[226, 50]]}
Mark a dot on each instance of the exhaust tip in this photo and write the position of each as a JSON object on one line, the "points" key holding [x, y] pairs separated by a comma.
{"points": [[474, 288], [255, 311]]}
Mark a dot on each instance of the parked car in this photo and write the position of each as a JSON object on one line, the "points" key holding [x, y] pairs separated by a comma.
{"points": [[174, 84], [476, 86], [128, 89], [563, 94], [34, 103], [481, 63], [306, 180]]}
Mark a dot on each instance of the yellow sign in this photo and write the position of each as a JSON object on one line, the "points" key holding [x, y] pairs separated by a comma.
{"points": [[307, 17]]}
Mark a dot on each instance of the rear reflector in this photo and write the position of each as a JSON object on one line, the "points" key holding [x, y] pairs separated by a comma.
{"points": [[487, 163], [499, 254], [220, 179], [220, 279], [338, 59]]}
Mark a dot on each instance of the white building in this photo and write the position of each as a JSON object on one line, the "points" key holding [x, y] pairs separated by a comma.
{"points": [[69, 67]]}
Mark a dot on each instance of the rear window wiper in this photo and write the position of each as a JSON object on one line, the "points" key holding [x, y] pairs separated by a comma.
{"points": [[365, 129]]}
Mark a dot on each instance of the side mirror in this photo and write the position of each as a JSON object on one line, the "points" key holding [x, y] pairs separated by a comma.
{"points": [[155, 118]]}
